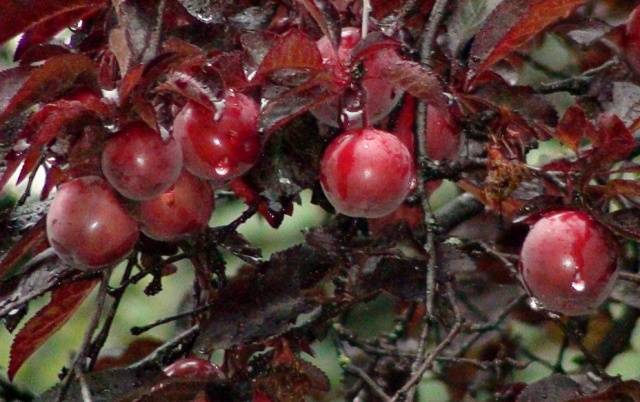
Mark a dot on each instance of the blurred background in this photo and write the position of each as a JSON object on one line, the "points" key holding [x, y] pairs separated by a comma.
{"points": [[41, 371]]}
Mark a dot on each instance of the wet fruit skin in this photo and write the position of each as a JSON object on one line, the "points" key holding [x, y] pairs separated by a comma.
{"points": [[381, 96], [191, 367], [139, 164], [182, 210], [366, 173], [569, 262], [219, 146], [87, 225]]}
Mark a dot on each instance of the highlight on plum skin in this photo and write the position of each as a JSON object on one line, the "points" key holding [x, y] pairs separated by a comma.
{"points": [[366, 173], [219, 145], [181, 211], [380, 95], [569, 262], [87, 226], [139, 164]]}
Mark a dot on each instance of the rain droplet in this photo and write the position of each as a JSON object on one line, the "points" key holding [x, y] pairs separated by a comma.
{"points": [[535, 304], [223, 167]]}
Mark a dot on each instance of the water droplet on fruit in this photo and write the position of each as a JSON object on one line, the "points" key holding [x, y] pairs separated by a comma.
{"points": [[223, 167], [535, 304], [578, 284]]}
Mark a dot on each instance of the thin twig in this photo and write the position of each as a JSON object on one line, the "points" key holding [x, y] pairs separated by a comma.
{"points": [[102, 336], [159, 356], [142, 329], [80, 360], [357, 371], [426, 364]]}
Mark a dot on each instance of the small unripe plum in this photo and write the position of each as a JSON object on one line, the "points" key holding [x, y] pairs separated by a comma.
{"points": [[182, 210], [569, 262], [220, 145], [366, 173], [139, 164], [381, 95], [192, 367], [87, 226]]}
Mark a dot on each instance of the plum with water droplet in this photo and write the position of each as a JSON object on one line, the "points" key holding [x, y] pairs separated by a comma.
{"points": [[569, 262], [221, 144]]}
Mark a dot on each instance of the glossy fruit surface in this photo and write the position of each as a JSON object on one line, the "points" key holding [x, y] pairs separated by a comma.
{"points": [[381, 96], [139, 164], [87, 226], [223, 145], [366, 173], [182, 210], [191, 367], [569, 262]]}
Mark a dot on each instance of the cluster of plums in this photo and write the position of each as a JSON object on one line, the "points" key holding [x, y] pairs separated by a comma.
{"points": [[568, 260], [167, 182]]}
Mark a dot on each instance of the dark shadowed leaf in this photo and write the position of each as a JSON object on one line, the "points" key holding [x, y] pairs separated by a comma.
{"points": [[466, 21], [282, 109], [625, 222], [230, 67], [140, 27], [263, 303], [295, 50], [44, 273], [401, 277], [557, 388], [327, 18], [31, 244], [17, 16], [65, 300], [419, 82], [511, 25], [236, 244], [291, 162], [628, 391], [56, 76], [11, 80]]}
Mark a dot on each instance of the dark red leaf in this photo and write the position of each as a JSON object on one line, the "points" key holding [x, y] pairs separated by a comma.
{"points": [[573, 127], [327, 18], [64, 302], [279, 111], [11, 80], [373, 43], [56, 76], [613, 141], [42, 52], [230, 67], [624, 222], [48, 28], [419, 82], [511, 25], [17, 16], [138, 39], [294, 50], [32, 243]]}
